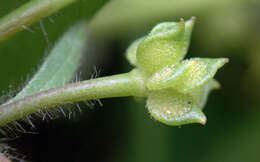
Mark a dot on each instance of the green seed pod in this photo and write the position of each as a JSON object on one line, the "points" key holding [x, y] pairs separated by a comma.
{"points": [[173, 108], [177, 89], [187, 75], [166, 44]]}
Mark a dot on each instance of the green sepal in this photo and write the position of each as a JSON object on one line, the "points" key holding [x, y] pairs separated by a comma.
{"points": [[200, 95], [161, 47], [131, 51], [173, 108], [187, 75]]}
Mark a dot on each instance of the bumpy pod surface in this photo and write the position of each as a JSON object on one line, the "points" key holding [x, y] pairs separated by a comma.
{"points": [[177, 89]]}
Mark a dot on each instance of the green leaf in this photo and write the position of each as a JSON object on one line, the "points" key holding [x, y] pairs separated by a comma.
{"points": [[59, 67], [173, 108], [186, 76]]}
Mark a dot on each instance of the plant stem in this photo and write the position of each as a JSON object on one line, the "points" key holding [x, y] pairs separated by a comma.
{"points": [[28, 14], [127, 84]]}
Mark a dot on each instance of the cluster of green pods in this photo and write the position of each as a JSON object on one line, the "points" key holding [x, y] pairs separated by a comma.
{"points": [[177, 88]]}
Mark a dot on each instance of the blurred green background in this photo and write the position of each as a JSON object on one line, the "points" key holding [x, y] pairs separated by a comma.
{"points": [[121, 129]]}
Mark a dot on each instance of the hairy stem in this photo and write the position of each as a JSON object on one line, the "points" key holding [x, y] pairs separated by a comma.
{"points": [[28, 14], [127, 84]]}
